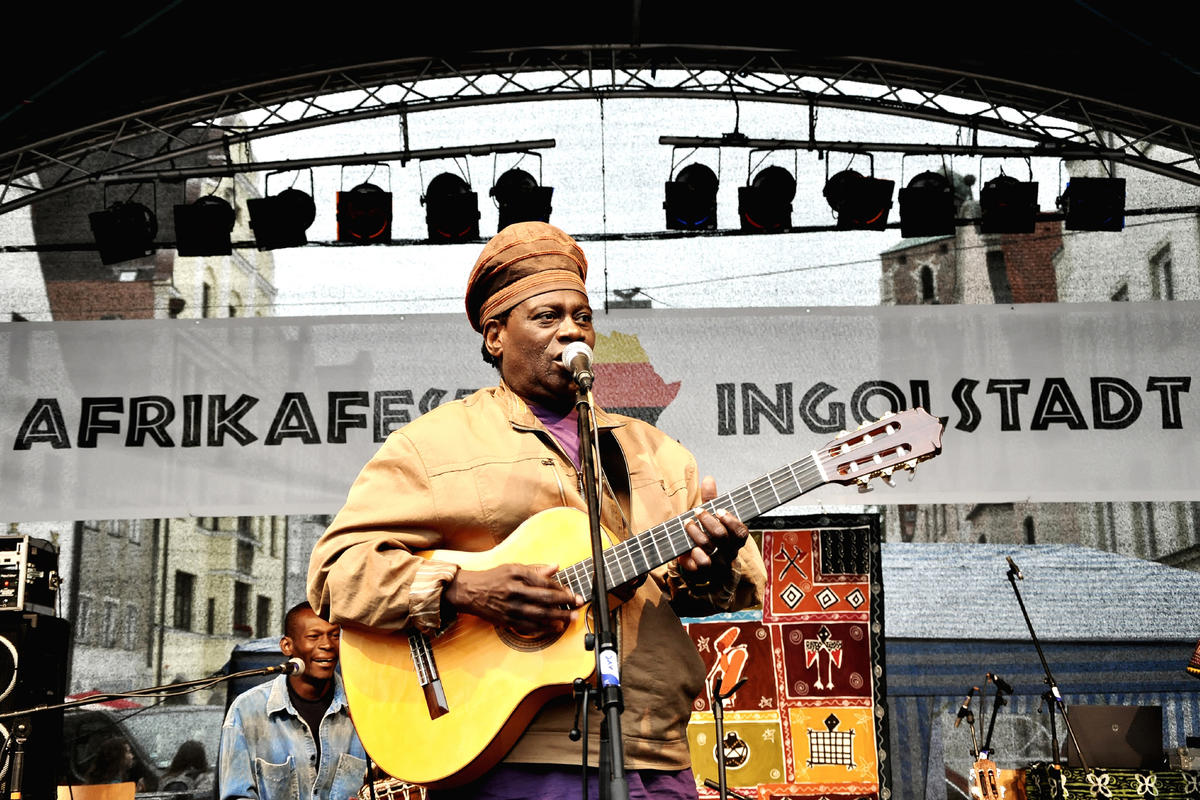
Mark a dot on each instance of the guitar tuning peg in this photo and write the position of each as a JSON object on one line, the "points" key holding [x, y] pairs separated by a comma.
{"points": [[864, 485], [889, 478], [912, 473]]}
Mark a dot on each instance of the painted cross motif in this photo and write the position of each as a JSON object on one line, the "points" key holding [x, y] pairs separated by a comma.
{"points": [[792, 559], [831, 746], [824, 643]]}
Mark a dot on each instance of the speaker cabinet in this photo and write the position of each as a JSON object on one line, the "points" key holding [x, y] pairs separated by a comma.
{"points": [[33, 672]]}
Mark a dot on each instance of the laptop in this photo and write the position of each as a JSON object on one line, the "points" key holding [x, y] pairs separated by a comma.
{"points": [[1116, 737]]}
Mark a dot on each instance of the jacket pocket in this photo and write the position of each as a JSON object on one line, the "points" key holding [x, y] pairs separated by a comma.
{"points": [[348, 778], [277, 781]]}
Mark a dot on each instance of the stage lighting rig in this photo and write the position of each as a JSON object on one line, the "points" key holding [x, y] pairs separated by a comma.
{"points": [[204, 227], [519, 198], [1008, 205], [364, 214], [690, 199], [282, 220], [1094, 204], [124, 231], [860, 202], [451, 209], [765, 205], [927, 206]]}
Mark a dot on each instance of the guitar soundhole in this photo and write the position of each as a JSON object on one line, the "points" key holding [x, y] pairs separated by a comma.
{"points": [[527, 643]]}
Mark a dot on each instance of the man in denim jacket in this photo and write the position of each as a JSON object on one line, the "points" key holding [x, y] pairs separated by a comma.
{"points": [[268, 749]]}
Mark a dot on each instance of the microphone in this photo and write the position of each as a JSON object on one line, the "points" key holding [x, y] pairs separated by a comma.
{"points": [[966, 706], [1001, 684], [293, 666], [577, 357], [1015, 570]]}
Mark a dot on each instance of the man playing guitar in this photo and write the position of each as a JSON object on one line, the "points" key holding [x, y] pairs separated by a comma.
{"points": [[464, 476]]}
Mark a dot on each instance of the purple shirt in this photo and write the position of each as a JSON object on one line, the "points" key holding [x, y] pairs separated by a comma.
{"points": [[564, 428]]}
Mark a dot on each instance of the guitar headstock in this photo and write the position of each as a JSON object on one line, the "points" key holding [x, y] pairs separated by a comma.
{"points": [[896, 441]]}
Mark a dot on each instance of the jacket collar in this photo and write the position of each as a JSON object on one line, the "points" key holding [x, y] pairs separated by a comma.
{"points": [[280, 701], [520, 416]]}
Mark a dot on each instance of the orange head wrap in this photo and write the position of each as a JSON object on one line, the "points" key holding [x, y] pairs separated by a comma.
{"points": [[523, 260]]}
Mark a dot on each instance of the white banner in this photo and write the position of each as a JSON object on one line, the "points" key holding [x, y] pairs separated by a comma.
{"points": [[1050, 402]]}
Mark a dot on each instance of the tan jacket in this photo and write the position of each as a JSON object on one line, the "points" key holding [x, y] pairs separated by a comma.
{"points": [[463, 477]]}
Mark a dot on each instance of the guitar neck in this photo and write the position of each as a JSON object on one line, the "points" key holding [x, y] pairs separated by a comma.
{"points": [[639, 554]]}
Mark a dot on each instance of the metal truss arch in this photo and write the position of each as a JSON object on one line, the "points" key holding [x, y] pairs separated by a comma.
{"points": [[173, 131]]}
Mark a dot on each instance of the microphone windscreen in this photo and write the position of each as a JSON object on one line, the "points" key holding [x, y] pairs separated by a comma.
{"points": [[575, 349], [297, 665]]}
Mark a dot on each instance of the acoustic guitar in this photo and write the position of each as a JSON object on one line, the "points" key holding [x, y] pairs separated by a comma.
{"points": [[441, 710]]}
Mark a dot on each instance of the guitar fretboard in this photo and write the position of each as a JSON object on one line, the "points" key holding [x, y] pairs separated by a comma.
{"points": [[639, 554]]}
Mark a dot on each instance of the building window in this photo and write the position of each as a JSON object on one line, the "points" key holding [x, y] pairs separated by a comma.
{"points": [[1030, 534], [262, 616], [998, 277], [83, 624], [131, 627], [928, 293], [135, 531], [185, 586], [245, 557], [210, 625], [1162, 279], [114, 527], [241, 608], [205, 299], [274, 536], [111, 624]]}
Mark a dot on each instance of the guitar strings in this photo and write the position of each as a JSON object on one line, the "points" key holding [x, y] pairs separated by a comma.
{"points": [[674, 534]]}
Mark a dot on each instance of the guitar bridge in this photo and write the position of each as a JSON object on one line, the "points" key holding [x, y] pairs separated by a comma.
{"points": [[427, 675]]}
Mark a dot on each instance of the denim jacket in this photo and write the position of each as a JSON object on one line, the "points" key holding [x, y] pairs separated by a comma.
{"points": [[268, 753]]}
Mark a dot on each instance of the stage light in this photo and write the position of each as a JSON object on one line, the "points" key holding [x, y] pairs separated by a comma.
{"points": [[691, 199], [520, 199], [203, 228], [451, 209], [766, 204], [1008, 205], [364, 215], [860, 202], [281, 220], [927, 206], [1094, 204], [124, 231]]}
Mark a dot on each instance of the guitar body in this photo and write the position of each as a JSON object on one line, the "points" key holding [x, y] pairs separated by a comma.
{"points": [[494, 681]]}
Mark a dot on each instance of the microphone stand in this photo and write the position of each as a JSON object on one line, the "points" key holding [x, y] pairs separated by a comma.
{"points": [[21, 731], [166, 690], [1001, 690], [609, 697], [718, 707], [1052, 696]]}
